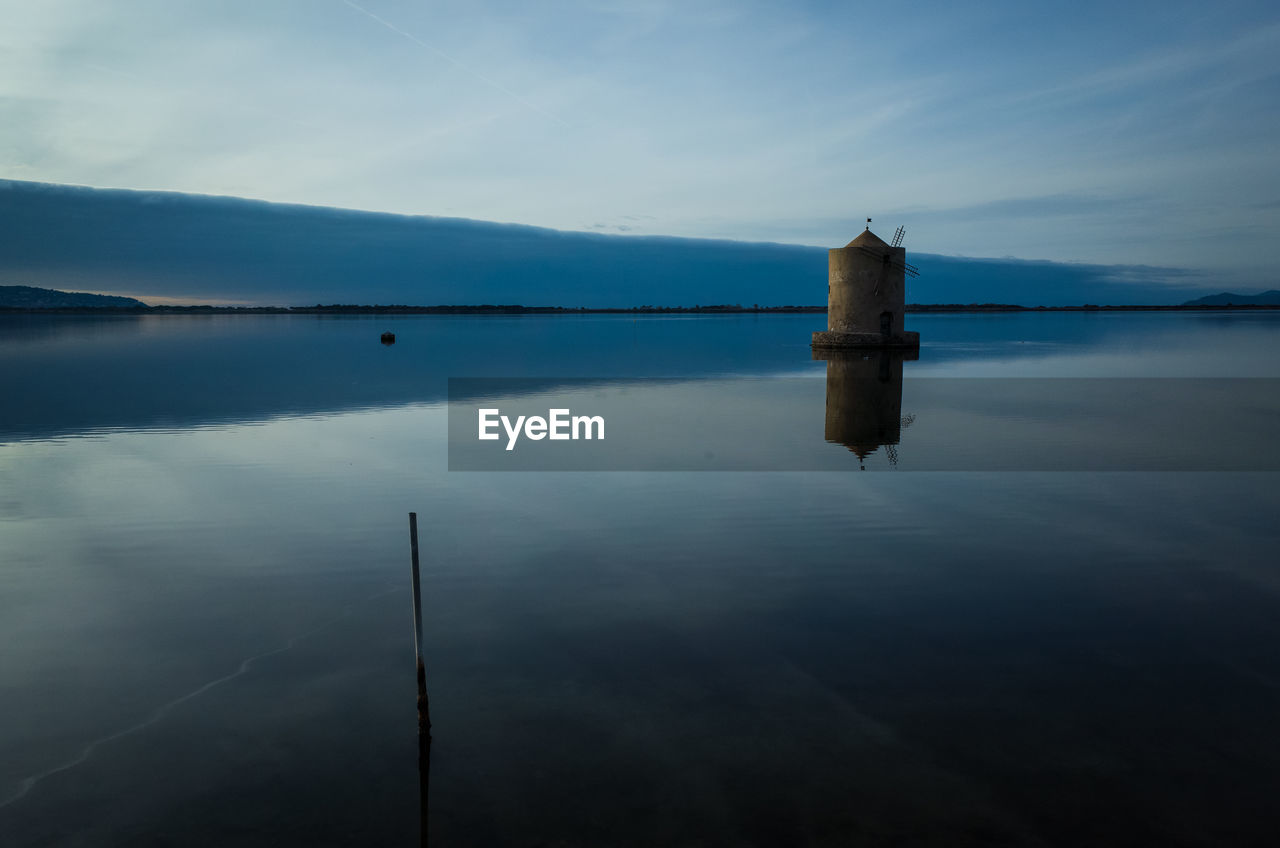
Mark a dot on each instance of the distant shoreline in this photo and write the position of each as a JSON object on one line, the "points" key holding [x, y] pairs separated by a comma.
{"points": [[486, 309]]}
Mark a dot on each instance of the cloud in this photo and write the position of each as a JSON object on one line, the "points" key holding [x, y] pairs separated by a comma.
{"points": [[212, 249], [442, 54], [1093, 133]]}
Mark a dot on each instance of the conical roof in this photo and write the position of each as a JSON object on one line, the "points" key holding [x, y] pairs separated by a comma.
{"points": [[866, 238]]}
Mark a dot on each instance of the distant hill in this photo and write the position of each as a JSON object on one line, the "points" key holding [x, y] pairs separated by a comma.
{"points": [[30, 297], [219, 249], [1266, 298]]}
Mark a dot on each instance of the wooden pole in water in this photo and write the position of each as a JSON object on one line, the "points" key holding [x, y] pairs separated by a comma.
{"points": [[424, 710]]}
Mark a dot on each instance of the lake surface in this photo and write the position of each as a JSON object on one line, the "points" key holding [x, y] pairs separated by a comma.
{"points": [[204, 584]]}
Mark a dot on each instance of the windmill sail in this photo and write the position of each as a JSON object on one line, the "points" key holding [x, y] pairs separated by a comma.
{"points": [[894, 263]]}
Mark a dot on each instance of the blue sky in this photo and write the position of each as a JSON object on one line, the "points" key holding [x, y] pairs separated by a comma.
{"points": [[1137, 133]]}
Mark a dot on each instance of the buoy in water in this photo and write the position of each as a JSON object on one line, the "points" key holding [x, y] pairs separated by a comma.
{"points": [[388, 338]]}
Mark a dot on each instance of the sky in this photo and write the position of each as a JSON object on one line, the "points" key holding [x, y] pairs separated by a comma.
{"points": [[1131, 133]]}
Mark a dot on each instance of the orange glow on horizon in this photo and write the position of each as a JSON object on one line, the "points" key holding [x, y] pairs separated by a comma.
{"points": [[188, 300]]}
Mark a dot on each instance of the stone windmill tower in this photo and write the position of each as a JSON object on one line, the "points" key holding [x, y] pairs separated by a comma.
{"points": [[866, 294]]}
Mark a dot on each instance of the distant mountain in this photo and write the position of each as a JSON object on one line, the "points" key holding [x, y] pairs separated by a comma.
{"points": [[222, 249], [1266, 298], [29, 297]]}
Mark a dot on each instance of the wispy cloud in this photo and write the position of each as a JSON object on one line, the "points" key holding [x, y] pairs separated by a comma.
{"points": [[443, 55], [1160, 67]]}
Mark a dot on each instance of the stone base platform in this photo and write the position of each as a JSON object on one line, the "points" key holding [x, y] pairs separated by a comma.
{"points": [[835, 340]]}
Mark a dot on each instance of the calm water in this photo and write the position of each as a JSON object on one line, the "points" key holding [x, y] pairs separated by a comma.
{"points": [[204, 598]]}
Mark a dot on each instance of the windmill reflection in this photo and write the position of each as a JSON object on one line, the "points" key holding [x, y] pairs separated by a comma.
{"points": [[864, 400]]}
